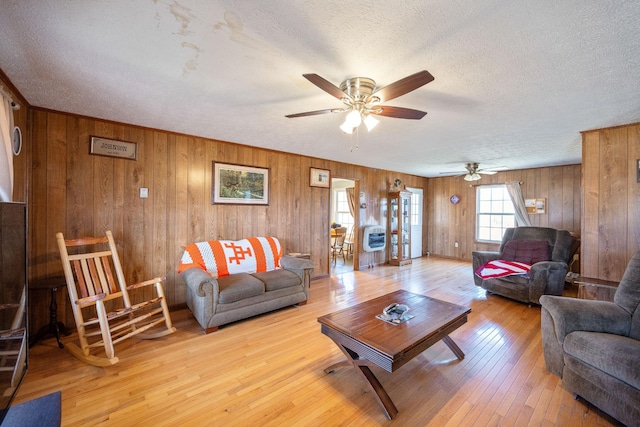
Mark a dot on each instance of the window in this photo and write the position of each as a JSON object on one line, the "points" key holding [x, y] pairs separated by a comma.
{"points": [[341, 212], [416, 209], [494, 212]]}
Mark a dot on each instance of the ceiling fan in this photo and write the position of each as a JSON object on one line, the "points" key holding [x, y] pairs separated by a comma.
{"points": [[473, 173], [362, 99]]}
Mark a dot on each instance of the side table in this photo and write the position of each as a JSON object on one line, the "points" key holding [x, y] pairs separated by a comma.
{"points": [[299, 255], [596, 289], [54, 328]]}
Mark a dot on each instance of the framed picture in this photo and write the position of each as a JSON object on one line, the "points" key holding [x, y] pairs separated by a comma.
{"points": [[535, 206], [239, 185], [319, 177], [113, 148]]}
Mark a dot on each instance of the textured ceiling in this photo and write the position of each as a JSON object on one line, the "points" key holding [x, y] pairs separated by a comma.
{"points": [[515, 80]]}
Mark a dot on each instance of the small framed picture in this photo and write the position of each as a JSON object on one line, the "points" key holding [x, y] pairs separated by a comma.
{"points": [[319, 177], [536, 206]]}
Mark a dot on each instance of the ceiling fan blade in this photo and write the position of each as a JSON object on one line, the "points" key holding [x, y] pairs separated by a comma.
{"points": [[315, 113], [403, 86], [491, 171], [326, 86], [398, 112]]}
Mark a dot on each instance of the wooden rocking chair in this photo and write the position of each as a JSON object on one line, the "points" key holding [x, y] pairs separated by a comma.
{"points": [[103, 297], [13, 347]]}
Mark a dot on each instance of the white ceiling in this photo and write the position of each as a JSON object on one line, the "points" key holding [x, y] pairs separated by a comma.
{"points": [[515, 80]]}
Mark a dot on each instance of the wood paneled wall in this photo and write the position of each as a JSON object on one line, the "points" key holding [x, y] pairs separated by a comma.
{"points": [[611, 204], [82, 194], [71, 191], [449, 223]]}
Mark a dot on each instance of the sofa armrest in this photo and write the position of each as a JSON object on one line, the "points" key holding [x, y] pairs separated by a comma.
{"points": [[571, 314], [302, 267], [294, 263], [546, 278], [201, 283], [479, 258]]}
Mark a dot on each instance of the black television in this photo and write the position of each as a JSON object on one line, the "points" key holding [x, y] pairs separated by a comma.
{"points": [[13, 301]]}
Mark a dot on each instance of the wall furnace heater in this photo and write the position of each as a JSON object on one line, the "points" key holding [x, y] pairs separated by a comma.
{"points": [[374, 238]]}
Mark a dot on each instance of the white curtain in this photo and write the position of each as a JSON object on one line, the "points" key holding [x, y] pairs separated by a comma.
{"points": [[6, 151], [351, 199], [522, 217]]}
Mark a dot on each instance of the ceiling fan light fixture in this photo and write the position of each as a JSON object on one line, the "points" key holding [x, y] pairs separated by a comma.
{"points": [[370, 122], [346, 127], [361, 97], [472, 176], [354, 118]]}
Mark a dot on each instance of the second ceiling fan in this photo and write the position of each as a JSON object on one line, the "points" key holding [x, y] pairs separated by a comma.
{"points": [[363, 99], [473, 172]]}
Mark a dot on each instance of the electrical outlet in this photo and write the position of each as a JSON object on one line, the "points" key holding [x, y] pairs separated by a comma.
{"points": [[455, 245], [144, 193]]}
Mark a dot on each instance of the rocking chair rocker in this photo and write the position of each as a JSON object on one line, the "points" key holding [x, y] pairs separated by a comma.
{"points": [[102, 297]]}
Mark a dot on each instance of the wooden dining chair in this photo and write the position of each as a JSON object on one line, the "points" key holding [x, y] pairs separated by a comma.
{"points": [[348, 242], [103, 311], [337, 247]]}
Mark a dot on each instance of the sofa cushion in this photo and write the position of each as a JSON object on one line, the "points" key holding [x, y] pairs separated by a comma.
{"points": [[220, 258], [239, 286], [278, 279], [526, 251], [616, 355], [521, 280]]}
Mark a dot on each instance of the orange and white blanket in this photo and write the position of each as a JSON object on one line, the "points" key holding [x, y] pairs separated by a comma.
{"points": [[224, 257]]}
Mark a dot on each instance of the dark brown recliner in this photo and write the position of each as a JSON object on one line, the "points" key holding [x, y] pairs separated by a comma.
{"points": [[545, 277]]}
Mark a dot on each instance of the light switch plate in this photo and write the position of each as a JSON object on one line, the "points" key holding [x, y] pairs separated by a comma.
{"points": [[144, 193]]}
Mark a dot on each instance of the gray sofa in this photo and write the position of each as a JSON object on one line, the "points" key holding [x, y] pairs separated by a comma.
{"points": [[545, 277], [215, 302], [594, 346]]}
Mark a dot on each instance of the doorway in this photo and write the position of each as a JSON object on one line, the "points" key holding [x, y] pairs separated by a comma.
{"points": [[344, 213], [417, 200]]}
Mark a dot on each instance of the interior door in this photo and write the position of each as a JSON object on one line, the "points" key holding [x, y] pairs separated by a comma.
{"points": [[416, 222], [344, 217]]}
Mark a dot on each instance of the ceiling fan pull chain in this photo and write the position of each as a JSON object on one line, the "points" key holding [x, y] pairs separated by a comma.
{"points": [[357, 133]]}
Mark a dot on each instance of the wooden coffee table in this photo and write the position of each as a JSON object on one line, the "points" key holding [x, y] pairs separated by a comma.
{"points": [[367, 341]]}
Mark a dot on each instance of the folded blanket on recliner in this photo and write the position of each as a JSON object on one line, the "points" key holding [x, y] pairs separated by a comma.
{"points": [[502, 268], [224, 257]]}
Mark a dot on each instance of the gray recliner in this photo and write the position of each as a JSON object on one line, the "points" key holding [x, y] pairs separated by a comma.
{"points": [[594, 346], [545, 277]]}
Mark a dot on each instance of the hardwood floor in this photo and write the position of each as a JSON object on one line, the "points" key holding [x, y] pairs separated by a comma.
{"points": [[268, 370], [341, 266]]}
